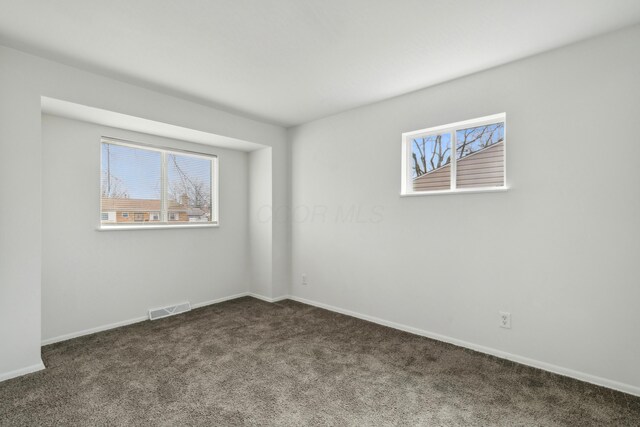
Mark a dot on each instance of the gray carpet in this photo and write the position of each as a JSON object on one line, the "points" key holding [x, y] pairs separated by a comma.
{"points": [[248, 362]]}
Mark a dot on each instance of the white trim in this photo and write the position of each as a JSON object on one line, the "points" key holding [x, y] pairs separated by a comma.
{"points": [[164, 187], [105, 227], [458, 191], [268, 299], [582, 376], [90, 331], [215, 191], [218, 300], [453, 179], [22, 371]]}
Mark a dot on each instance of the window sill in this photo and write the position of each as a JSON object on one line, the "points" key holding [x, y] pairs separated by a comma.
{"points": [[153, 227], [466, 191]]}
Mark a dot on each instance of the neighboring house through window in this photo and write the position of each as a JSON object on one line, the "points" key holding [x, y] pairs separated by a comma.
{"points": [[142, 185], [463, 156], [108, 216]]}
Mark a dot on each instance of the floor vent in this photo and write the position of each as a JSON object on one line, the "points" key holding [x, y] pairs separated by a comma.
{"points": [[159, 313]]}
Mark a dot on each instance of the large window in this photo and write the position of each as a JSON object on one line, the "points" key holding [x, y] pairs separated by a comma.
{"points": [[463, 156], [147, 186]]}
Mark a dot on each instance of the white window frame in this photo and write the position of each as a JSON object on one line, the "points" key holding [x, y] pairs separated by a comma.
{"points": [[406, 187], [164, 223]]}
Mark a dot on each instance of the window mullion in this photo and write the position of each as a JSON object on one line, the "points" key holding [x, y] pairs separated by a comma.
{"points": [[454, 151], [164, 216]]}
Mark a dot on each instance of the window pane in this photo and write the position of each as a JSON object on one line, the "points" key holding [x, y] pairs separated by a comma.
{"points": [[431, 162], [130, 184], [480, 156], [189, 188]]}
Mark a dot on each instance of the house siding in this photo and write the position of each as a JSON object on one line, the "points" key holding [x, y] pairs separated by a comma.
{"points": [[145, 207], [484, 168], [439, 179]]}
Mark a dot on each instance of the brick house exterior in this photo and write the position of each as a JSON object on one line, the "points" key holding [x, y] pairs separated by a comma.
{"points": [[124, 210]]}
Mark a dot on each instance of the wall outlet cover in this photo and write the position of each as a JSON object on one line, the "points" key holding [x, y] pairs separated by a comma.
{"points": [[505, 320]]}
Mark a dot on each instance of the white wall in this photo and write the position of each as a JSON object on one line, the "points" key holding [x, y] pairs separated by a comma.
{"points": [[23, 80], [261, 223], [92, 278], [559, 250], [20, 241]]}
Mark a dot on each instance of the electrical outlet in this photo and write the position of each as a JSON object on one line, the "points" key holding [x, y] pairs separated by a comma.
{"points": [[304, 279], [505, 320]]}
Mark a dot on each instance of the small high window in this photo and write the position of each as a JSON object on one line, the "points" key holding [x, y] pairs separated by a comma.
{"points": [[459, 157]]}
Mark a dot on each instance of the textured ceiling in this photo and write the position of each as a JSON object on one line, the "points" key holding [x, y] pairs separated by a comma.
{"points": [[293, 61]]}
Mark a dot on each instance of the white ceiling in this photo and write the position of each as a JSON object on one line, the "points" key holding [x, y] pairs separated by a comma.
{"points": [[292, 61]]}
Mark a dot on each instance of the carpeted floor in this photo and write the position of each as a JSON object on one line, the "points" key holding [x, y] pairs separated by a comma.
{"points": [[248, 362]]}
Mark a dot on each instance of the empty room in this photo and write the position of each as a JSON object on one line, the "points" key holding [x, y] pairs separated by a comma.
{"points": [[305, 212]]}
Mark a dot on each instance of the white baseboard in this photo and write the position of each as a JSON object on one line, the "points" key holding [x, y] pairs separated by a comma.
{"points": [[22, 371], [216, 301], [267, 299], [615, 385], [90, 331], [626, 388]]}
